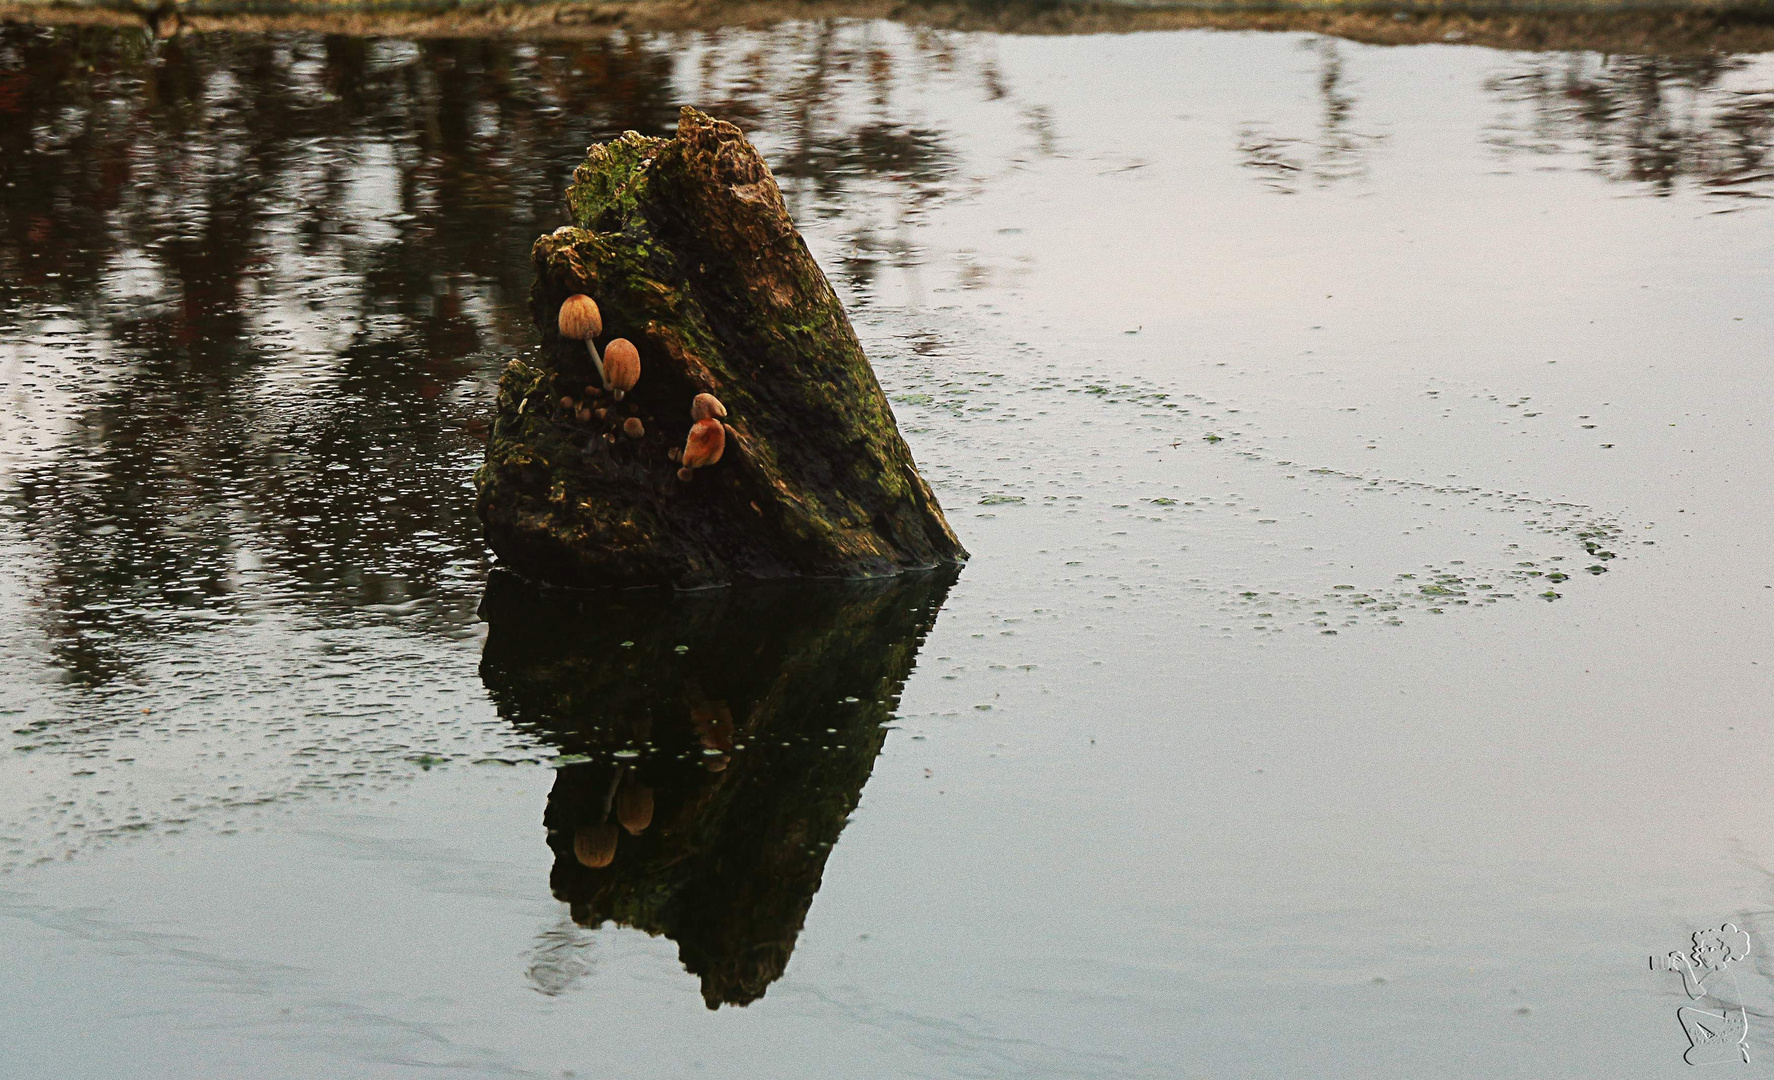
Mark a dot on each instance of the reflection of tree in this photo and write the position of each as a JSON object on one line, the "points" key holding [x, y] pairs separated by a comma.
{"points": [[834, 140], [1649, 120], [260, 283], [727, 739], [284, 258], [1337, 152]]}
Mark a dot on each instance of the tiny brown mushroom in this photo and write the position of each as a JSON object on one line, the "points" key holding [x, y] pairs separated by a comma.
{"points": [[622, 367], [584, 414], [580, 319], [566, 403], [686, 474], [595, 845], [633, 428], [593, 391], [705, 406]]}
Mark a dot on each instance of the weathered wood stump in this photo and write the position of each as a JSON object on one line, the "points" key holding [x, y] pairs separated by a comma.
{"points": [[688, 250]]}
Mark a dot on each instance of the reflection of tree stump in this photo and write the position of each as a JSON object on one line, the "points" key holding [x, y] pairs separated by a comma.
{"points": [[715, 780], [687, 248]]}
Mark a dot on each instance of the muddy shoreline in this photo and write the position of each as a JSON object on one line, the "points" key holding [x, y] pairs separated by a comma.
{"points": [[1665, 28]]}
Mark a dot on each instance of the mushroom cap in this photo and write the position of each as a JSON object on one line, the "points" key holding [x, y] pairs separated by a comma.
{"points": [[580, 319], [705, 406], [622, 366], [633, 428], [634, 807], [595, 845], [706, 442]]}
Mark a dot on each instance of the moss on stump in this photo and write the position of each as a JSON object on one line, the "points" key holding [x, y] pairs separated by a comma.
{"points": [[687, 248]]}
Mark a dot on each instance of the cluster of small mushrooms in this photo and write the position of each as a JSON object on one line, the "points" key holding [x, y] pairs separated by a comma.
{"points": [[618, 369]]}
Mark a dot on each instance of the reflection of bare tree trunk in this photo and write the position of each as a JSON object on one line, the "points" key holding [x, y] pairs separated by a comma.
{"points": [[814, 98], [229, 209], [1647, 120], [1338, 152], [206, 215]]}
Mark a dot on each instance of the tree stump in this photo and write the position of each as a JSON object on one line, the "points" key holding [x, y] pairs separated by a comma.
{"points": [[688, 250]]}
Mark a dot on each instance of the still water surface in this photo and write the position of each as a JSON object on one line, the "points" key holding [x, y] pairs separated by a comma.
{"points": [[1362, 670]]}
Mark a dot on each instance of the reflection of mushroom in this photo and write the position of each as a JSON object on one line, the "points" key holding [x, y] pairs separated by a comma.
{"points": [[714, 729], [634, 807], [595, 845], [580, 319], [622, 367], [708, 438], [713, 724]]}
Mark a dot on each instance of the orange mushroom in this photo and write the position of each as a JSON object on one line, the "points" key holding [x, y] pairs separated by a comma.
{"points": [[708, 436], [622, 367], [580, 319], [704, 446], [705, 406]]}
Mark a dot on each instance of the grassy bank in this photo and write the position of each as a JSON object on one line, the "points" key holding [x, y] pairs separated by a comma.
{"points": [[1654, 26]]}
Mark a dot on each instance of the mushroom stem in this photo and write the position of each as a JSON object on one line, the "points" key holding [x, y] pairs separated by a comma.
{"points": [[610, 795], [597, 361]]}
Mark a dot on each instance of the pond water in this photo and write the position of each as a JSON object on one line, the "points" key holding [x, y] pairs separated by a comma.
{"points": [[1363, 667]]}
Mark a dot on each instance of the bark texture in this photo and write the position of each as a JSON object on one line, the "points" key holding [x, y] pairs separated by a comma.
{"points": [[689, 251]]}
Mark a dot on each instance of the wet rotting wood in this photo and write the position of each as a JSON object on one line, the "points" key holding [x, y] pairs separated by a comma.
{"points": [[688, 251]]}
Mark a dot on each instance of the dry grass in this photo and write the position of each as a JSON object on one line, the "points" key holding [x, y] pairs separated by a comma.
{"points": [[1670, 27]]}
